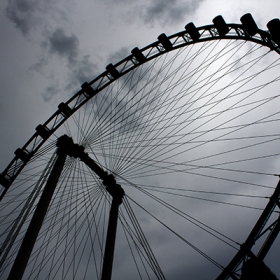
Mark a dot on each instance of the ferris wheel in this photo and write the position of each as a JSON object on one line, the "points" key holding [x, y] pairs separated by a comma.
{"points": [[165, 166]]}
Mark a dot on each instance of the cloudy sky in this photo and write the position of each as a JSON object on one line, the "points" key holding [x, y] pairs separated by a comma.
{"points": [[49, 48]]}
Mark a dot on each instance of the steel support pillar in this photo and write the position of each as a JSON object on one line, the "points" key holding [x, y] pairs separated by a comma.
{"points": [[117, 193], [269, 241], [36, 222], [110, 240], [245, 249]]}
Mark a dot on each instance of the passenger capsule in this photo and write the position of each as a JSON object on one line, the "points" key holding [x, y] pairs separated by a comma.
{"points": [[249, 24], [221, 25]]}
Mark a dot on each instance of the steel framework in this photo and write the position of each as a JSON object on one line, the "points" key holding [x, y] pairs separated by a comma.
{"points": [[114, 72]]}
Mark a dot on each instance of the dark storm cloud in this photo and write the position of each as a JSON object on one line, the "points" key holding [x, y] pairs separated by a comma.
{"points": [[80, 68], [83, 70], [21, 13], [118, 55], [86, 70], [56, 41], [164, 11], [50, 92], [63, 45], [31, 15], [159, 11]]}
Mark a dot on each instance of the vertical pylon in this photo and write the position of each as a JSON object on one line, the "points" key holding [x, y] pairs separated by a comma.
{"points": [[117, 193], [245, 249], [110, 239], [34, 227]]}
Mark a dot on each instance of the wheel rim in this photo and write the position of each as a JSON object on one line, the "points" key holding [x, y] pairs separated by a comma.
{"points": [[216, 122]]}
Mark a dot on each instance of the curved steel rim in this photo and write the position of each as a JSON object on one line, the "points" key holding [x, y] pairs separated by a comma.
{"points": [[150, 52]]}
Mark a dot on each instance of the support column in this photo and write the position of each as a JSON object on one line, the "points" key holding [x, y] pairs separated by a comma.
{"points": [[269, 241], [117, 193], [110, 240], [36, 222], [245, 249]]}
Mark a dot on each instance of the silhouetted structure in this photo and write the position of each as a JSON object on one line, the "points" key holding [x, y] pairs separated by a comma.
{"points": [[255, 269]]}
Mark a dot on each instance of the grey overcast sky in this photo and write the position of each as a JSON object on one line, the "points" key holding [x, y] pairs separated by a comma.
{"points": [[49, 48]]}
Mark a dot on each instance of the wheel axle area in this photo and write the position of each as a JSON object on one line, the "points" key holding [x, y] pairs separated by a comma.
{"points": [[78, 151]]}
